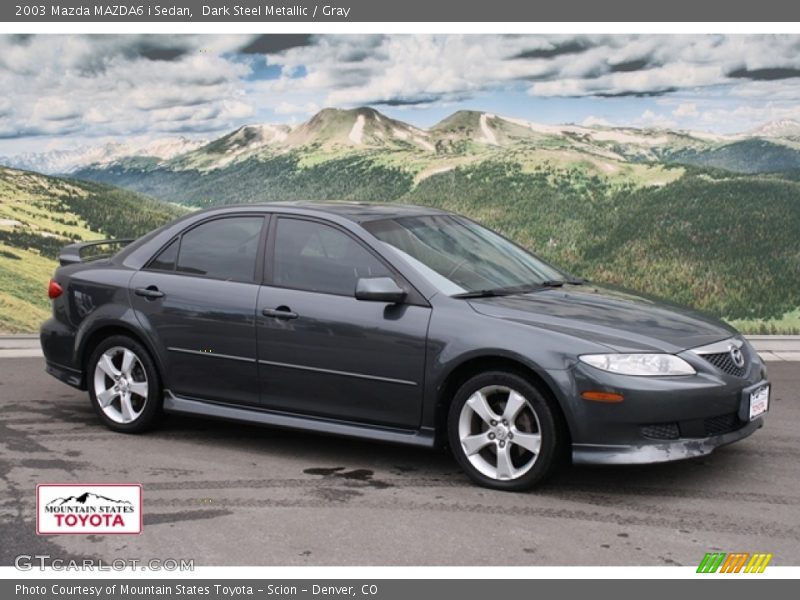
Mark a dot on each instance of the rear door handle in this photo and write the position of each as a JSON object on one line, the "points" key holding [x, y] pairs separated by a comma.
{"points": [[282, 312], [151, 292]]}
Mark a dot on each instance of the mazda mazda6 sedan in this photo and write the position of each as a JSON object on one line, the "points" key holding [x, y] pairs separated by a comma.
{"points": [[399, 324]]}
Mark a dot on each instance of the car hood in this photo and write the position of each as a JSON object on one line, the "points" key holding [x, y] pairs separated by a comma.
{"points": [[610, 316]]}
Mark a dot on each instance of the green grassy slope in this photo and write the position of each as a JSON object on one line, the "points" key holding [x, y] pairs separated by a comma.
{"points": [[39, 215]]}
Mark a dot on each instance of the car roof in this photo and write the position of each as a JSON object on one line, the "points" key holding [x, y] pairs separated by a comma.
{"points": [[358, 212]]}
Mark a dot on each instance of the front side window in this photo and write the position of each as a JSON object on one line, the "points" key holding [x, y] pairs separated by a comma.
{"points": [[319, 258], [459, 256], [222, 249]]}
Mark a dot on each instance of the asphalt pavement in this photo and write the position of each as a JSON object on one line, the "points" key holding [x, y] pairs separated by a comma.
{"points": [[232, 494]]}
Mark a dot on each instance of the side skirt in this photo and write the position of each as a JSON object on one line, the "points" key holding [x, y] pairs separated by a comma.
{"points": [[176, 404]]}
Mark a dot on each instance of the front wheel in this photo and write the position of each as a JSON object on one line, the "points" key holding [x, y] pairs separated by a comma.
{"points": [[503, 431], [124, 386]]}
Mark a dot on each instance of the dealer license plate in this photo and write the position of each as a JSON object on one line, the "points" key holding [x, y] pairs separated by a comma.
{"points": [[759, 402]]}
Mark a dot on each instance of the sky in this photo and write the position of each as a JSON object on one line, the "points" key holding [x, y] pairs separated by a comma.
{"points": [[63, 91]]}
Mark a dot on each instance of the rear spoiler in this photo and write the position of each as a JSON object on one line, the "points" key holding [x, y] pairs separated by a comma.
{"points": [[88, 251]]}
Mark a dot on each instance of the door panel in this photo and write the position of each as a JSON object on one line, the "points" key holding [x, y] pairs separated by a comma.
{"points": [[197, 299], [342, 358], [321, 351], [205, 330]]}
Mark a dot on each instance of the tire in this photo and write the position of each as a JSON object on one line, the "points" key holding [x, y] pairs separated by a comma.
{"points": [[119, 368], [501, 456]]}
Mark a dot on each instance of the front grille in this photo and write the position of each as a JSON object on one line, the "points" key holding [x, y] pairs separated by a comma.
{"points": [[724, 362], [722, 424], [661, 431]]}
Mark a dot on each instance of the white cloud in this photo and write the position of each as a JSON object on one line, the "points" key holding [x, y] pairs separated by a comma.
{"points": [[658, 80], [402, 69], [290, 108], [686, 109], [122, 85], [54, 108], [235, 110], [656, 120], [6, 108], [749, 116], [358, 69]]}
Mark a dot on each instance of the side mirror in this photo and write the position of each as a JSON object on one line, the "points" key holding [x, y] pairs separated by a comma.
{"points": [[379, 289]]}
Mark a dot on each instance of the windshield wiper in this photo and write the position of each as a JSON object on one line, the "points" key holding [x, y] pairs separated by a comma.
{"points": [[489, 293], [518, 289], [500, 291], [560, 282]]}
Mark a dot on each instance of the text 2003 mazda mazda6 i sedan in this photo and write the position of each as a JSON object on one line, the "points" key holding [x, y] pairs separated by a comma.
{"points": [[395, 323]]}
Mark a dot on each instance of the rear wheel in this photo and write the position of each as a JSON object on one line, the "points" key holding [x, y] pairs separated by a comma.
{"points": [[124, 385], [503, 431]]}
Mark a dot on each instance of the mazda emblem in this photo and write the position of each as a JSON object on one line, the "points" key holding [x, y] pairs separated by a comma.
{"points": [[737, 357]]}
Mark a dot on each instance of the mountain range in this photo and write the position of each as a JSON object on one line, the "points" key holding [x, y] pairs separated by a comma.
{"points": [[462, 133], [67, 161]]}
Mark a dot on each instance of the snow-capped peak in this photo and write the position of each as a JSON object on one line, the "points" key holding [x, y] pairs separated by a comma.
{"points": [[69, 161], [254, 136], [778, 129], [167, 148]]}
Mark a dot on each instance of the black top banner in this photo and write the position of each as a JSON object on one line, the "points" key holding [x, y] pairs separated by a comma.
{"points": [[399, 11]]}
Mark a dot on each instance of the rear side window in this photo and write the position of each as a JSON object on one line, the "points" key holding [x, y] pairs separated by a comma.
{"points": [[165, 261], [318, 258], [221, 249]]}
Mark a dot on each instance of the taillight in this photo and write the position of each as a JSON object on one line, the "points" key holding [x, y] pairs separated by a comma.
{"points": [[54, 290]]}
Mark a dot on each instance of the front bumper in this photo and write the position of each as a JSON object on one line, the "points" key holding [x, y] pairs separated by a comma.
{"points": [[662, 419], [649, 452]]}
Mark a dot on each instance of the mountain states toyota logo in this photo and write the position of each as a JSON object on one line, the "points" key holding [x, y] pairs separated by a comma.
{"points": [[88, 508]]}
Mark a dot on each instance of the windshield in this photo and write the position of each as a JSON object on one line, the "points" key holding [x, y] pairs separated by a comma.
{"points": [[459, 256]]}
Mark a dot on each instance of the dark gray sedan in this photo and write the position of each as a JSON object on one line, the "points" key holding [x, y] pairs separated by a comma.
{"points": [[400, 324]]}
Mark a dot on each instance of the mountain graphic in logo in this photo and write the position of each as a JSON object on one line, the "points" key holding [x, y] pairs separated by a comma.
{"points": [[86, 499], [113, 508]]}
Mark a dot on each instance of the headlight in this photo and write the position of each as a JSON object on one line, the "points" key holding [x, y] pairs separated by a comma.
{"points": [[639, 364]]}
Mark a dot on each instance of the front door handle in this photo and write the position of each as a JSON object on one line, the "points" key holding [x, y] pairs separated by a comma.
{"points": [[282, 312], [151, 292]]}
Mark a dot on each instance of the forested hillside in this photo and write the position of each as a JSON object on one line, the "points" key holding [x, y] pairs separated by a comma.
{"points": [[726, 244]]}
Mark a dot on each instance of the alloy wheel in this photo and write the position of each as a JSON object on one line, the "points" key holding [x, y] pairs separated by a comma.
{"points": [[120, 384], [500, 432]]}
